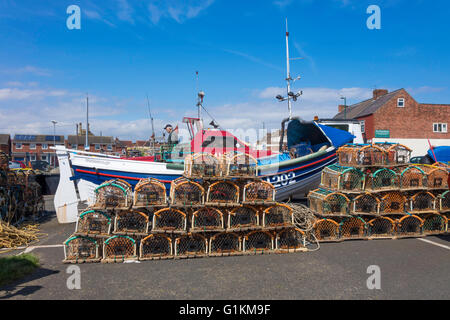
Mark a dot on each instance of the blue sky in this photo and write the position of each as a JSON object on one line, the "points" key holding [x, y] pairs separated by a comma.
{"points": [[128, 48]]}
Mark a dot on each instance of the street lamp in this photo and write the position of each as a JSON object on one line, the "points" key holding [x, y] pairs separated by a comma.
{"points": [[345, 106], [54, 132]]}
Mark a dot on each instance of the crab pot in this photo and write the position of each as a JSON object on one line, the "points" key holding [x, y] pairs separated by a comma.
{"points": [[279, 215], [191, 245], [204, 165], [326, 230], [3, 178], [258, 241], [422, 202], [243, 217], [169, 220], [93, 222], [226, 242], [155, 245], [291, 239], [186, 192], [81, 249], [352, 227], [242, 165], [342, 178], [434, 223], [149, 192], [398, 154], [365, 203], [4, 203], [327, 202], [112, 194], [259, 191], [11, 177], [437, 179], [223, 192], [4, 161], [393, 203], [361, 155], [412, 178], [410, 225], [381, 227], [444, 201], [131, 222], [207, 219], [119, 248], [382, 179]]}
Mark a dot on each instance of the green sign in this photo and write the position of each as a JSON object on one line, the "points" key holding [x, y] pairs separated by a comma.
{"points": [[382, 134]]}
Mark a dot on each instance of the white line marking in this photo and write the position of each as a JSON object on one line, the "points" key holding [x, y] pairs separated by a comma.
{"points": [[31, 248], [435, 243]]}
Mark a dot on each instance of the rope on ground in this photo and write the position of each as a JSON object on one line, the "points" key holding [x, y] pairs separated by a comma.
{"points": [[304, 219], [12, 237]]}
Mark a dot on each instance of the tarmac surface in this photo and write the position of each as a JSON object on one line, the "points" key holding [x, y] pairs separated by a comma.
{"points": [[409, 269]]}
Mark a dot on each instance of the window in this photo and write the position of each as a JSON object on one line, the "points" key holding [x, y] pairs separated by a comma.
{"points": [[440, 127], [44, 157], [18, 146], [33, 146], [109, 147], [401, 102], [44, 146], [97, 146], [74, 146], [363, 126], [33, 157]]}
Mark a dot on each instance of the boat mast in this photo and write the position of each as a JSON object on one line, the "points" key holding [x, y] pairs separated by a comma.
{"points": [[153, 127], [288, 73], [86, 144]]}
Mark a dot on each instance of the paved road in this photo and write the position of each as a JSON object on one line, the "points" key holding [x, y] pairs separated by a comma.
{"points": [[410, 269]]}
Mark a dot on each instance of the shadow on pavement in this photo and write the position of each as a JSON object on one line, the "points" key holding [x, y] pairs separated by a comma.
{"points": [[19, 288]]}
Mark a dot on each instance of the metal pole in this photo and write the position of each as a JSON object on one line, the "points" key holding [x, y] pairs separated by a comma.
{"points": [[86, 145], [288, 73]]}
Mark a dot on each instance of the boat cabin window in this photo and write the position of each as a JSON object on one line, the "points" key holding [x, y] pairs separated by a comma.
{"points": [[339, 126]]}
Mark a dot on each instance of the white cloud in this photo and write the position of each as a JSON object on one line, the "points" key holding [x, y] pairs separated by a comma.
{"points": [[179, 11]]}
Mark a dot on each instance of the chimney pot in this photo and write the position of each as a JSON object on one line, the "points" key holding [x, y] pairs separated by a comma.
{"points": [[379, 92], [341, 108]]}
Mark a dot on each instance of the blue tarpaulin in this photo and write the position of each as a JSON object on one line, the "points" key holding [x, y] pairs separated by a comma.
{"points": [[338, 137], [442, 154]]}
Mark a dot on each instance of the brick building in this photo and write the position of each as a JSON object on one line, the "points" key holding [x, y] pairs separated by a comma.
{"points": [[32, 147], [397, 116], [5, 143]]}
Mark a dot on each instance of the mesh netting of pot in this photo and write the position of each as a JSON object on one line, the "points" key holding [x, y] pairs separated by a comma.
{"points": [[223, 192], [155, 245], [339, 178], [412, 178], [352, 227], [381, 227], [366, 203], [169, 219], [422, 201], [409, 225], [226, 242], [434, 223], [444, 201], [259, 191], [382, 179], [81, 249], [191, 245], [119, 248], [290, 239], [279, 215], [207, 219], [184, 192], [393, 202], [437, 179], [204, 165], [149, 192], [327, 202], [258, 240], [243, 217], [112, 194], [326, 230], [93, 222], [131, 222], [242, 165]]}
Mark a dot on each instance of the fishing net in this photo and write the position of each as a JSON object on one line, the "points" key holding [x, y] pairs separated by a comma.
{"points": [[366, 203], [327, 202], [131, 222], [361, 155], [326, 230], [398, 154], [342, 178], [93, 222], [223, 192], [81, 249], [434, 223], [410, 225], [278, 216], [381, 227], [444, 201], [207, 219], [259, 191], [155, 245], [112, 194], [169, 219], [412, 178], [382, 179], [191, 245], [392, 202], [118, 248], [422, 202], [243, 217], [4, 161], [227, 242], [437, 179], [290, 239], [204, 165], [149, 192], [258, 241], [186, 192], [352, 227], [242, 165], [3, 178], [11, 177]]}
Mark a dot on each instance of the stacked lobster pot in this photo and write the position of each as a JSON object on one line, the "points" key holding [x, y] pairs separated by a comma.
{"points": [[218, 208], [374, 192], [20, 194]]}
